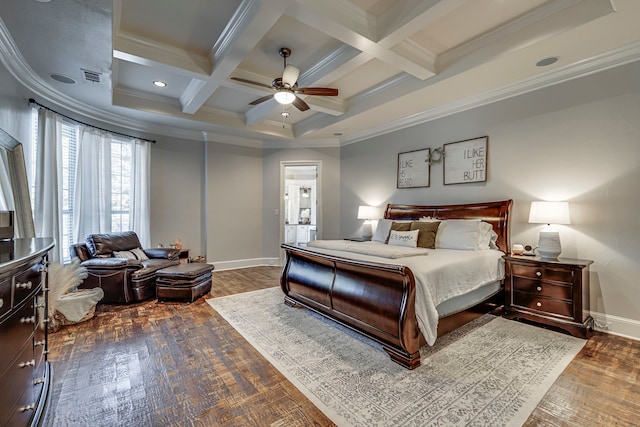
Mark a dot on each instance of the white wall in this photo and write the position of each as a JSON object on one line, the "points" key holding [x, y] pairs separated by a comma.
{"points": [[578, 141]]}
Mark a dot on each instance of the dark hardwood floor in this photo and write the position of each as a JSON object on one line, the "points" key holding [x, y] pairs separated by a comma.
{"points": [[176, 364]]}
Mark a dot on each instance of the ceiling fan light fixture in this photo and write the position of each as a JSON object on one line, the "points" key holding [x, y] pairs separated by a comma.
{"points": [[284, 96]]}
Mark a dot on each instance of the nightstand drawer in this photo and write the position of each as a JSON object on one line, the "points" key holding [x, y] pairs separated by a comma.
{"points": [[538, 287], [547, 305], [543, 273]]}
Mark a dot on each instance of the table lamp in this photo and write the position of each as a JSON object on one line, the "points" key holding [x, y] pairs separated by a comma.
{"points": [[369, 214], [549, 213]]}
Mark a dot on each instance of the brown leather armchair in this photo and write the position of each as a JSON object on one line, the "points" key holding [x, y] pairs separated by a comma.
{"points": [[127, 277]]}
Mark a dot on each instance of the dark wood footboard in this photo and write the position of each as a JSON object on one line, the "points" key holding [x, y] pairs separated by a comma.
{"points": [[376, 300]]}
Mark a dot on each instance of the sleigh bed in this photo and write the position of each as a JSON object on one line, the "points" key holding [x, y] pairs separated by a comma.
{"points": [[377, 296]]}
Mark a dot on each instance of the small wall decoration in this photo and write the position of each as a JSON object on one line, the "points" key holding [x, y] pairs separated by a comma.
{"points": [[414, 168], [466, 161]]}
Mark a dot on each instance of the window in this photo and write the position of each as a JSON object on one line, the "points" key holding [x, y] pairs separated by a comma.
{"points": [[121, 181]]}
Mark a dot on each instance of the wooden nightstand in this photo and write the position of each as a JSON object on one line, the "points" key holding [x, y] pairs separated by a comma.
{"points": [[549, 291]]}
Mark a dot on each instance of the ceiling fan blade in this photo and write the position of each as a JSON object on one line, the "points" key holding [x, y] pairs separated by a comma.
{"points": [[290, 75], [300, 104], [251, 82], [261, 100], [321, 91]]}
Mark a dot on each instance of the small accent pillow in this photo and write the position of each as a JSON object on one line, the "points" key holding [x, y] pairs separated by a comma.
{"points": [[139, 253], [124, 254], [404, 238], [427, 235], [136, 254]]}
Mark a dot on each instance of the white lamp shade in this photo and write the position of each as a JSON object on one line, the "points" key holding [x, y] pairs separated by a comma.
{"points": [[549, 213], [369, 212], [284, 96]]}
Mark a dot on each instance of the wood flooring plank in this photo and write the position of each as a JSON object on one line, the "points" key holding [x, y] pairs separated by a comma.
{"points": [[178, 364]]}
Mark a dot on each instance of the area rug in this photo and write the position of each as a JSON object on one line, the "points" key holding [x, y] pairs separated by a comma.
{"points": [[491, 372]]}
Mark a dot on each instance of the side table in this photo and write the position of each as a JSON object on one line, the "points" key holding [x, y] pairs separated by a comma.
{"points": [[549, 291]]}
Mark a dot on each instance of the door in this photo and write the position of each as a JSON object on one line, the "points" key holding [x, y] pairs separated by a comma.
{"points": [[300, 201]]}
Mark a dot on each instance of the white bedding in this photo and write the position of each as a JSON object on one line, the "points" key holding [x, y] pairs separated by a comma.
{"points": [[369, 248], [443, 274]]}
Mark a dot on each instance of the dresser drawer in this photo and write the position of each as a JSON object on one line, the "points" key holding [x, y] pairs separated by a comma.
{"points": [[543, 304], [19, 376], [538, 287], [16, 331], [542, 273], [26, 283]]}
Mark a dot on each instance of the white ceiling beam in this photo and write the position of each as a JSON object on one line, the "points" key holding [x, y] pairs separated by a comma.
{"points": [[212, 116], [246, 28], [151, 53], [545, 21], [338, 23]]}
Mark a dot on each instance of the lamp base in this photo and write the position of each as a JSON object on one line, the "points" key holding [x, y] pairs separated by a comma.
{"points": [[367, 232], [549, 244]]}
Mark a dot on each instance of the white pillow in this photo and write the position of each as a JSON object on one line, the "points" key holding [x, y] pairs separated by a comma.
{"points": [[404, 238], [124, 254], [139, 253], [382, 230], [462, 234]]}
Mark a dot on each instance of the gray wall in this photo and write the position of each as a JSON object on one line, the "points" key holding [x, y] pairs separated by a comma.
{"points": [[578, 141]]}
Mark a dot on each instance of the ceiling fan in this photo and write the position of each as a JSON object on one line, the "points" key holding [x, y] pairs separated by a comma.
{"points": [[286, 87]]}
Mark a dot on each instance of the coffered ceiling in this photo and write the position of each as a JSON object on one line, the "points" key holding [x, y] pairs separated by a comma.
{"points": [[394, 62]]}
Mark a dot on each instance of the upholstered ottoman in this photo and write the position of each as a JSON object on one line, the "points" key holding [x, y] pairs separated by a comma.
{"points": [[183, 282]]}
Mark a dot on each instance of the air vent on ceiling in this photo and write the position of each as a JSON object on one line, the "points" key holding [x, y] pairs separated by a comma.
{"points": [[92, 76]]}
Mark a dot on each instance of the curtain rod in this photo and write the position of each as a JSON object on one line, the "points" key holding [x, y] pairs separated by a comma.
{"points": [[33, 101]]}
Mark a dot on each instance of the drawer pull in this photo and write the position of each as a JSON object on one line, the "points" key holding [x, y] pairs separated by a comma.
{"points": [[39, 343], [31, 319], [27, 285], [539, 288], [539, 304], [41, 305], [31, 362], [39, 381], [27, 408], [538, 273]]}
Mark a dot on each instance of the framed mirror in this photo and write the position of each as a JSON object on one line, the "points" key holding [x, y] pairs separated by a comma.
{"points": [[13, 184]]}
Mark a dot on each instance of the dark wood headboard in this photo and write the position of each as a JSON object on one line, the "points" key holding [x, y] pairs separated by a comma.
{"points": [[495, 213]]}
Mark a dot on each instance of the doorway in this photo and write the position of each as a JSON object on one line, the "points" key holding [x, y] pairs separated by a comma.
{"points": [[300, 202]]}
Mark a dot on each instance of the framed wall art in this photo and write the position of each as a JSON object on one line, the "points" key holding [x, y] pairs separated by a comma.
{"points": [[414, 169], [465, 161]]}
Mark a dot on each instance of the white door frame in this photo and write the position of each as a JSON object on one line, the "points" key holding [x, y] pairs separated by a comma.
{"points": [[283, 165]]}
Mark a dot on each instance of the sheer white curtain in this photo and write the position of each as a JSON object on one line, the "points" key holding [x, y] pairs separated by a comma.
{"points": [[48, 186], [92, 195], [139, 211]]}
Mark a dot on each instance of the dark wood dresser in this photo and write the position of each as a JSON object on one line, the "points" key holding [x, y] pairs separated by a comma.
{"points": [[550, 291], [25, 373]]}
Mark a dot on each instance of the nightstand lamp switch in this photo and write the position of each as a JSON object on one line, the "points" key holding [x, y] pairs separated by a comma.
{"points": [[369, 214], [549, 213]]}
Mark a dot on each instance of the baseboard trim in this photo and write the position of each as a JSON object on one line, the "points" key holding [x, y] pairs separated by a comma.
{"points": [[244, 263], [616, 325]]}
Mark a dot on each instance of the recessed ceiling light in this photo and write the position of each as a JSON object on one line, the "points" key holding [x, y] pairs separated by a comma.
{"points": [[160, 83], [62, 79], [547, 61], [43, 1], [337, 134]]}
